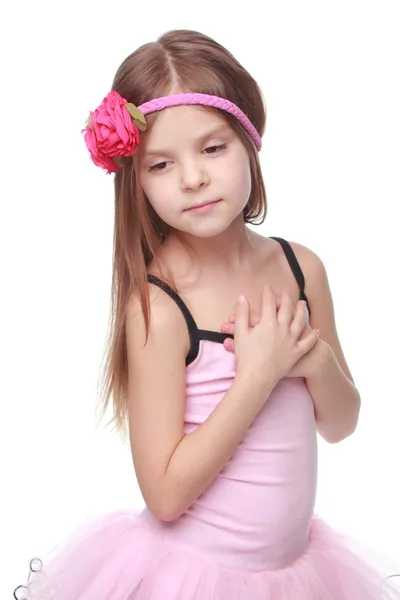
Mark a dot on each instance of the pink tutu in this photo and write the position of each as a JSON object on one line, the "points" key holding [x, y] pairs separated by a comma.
{"points": [[251, 535], [116, 557]]}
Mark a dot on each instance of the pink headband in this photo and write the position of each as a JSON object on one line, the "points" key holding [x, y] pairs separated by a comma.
{"points": [[113, 130]]}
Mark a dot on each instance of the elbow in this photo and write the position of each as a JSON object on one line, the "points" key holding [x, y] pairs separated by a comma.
{"points": [[344, 427], [166, 515], [163, 500], [165, 510], [334, 435]]}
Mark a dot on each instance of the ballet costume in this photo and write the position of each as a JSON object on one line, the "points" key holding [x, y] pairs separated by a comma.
{"points": [[251, 535]]}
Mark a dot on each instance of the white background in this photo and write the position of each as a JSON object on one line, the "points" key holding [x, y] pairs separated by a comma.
{"points": [[330, 75]]}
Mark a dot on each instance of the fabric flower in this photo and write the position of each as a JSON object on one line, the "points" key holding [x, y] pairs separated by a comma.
{"points": [[111, 132]]}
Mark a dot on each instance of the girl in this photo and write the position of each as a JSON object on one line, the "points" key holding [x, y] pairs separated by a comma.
{"points": [[223, 434]]}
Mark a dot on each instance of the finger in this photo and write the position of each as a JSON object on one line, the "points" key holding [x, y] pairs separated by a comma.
{"points": [[278, 296], [229, 345], [306, 309], [228, 328], [306, 331], [300, 319], [268, 304], [241, 316], [309, 342], [231, 318], [286, 309]]}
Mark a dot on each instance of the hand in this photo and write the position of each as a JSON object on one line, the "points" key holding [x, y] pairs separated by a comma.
{"points": [[274, 345], [305, 366]]}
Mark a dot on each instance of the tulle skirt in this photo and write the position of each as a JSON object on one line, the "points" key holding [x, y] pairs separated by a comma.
{"points": [[117, 557]]}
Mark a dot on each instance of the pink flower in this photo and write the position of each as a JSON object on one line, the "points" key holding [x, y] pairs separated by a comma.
{"points": [[111, 132]]}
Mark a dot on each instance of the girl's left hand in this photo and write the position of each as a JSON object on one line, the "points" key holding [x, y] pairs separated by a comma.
{"points": [[305, 367]]}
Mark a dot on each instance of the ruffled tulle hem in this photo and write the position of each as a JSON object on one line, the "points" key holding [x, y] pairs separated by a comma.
{"points": [[116, 557]]}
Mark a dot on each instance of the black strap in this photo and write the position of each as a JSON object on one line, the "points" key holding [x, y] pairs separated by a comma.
{"points": [[194, 333], [191, 323], [295, 267]]}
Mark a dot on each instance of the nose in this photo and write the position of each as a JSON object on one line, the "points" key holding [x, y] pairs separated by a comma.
{"points": [[193, 175]]}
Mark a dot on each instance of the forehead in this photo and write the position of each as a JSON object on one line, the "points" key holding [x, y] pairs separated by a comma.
{"points": [[178, 123]]}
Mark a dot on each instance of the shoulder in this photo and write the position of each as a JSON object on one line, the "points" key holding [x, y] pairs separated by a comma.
{"points": [[317, 286], [166, 322], [319, 294], [312, 265], [308, 258]]}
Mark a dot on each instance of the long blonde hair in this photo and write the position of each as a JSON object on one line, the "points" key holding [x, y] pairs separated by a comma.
{"points": [[191, 62]]}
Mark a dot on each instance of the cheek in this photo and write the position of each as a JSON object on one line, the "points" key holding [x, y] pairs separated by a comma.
{"points": [[246, 179], [239, 179], [163, 203]]}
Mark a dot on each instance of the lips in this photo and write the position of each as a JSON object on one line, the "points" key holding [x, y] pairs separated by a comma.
{"points": [[201, 204]]}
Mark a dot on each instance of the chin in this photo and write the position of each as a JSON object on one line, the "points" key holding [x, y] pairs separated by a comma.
{"points": [[209, 229]]}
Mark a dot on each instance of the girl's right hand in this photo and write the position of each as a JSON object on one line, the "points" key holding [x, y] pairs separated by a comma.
{"points": [[269, 350]]}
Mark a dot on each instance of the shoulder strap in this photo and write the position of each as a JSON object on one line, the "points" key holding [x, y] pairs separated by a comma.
{"points": [[177, 299], [191, 324], [295, 267]]}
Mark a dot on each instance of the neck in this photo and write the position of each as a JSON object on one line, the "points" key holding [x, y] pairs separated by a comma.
{"points": [[225, 253]]}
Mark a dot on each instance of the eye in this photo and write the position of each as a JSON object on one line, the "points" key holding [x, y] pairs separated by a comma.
{"points": [[159, 166], [214, 149]]}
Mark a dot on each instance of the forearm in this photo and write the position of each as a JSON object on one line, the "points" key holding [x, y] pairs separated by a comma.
{"points": [[336, 399], [202, 454]]}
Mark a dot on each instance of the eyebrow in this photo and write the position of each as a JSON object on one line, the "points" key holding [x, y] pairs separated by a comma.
{"points": [[220, 129]]}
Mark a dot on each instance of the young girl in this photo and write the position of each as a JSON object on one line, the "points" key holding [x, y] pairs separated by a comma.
{"points": [[224, 360]]}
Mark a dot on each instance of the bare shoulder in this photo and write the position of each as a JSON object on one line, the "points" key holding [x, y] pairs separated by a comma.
{"points": [[156, 391], [316, 278], [165, 317], [319, 294], [312, 265]]}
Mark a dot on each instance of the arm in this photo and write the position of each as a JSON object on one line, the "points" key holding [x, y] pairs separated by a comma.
{"points": [[336, 399], [174, 469], [331, 385]]}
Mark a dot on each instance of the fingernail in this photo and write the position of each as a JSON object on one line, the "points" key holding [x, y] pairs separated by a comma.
{"points": [[241, 300], [228, 344]]}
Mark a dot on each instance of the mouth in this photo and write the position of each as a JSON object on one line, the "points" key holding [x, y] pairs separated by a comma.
{"points": [[203, 204]]}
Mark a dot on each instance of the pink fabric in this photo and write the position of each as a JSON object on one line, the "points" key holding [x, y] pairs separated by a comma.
{"points": [[111, 132], [205, 100], [250, 536]]}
